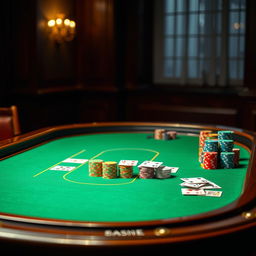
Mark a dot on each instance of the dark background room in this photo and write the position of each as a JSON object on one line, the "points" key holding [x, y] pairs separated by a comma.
{"points": [[159, 61]]}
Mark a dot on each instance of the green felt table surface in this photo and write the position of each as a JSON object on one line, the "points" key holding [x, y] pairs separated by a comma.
{"points": [[29, 188]]}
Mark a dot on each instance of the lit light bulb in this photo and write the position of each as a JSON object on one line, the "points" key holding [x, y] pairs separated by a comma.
{"points": [[59, 21], [67, 22], [72, 24], [61, 29], [51, 23]]}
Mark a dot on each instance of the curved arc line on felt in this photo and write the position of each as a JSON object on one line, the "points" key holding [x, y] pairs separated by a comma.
{"points": [[103, 152]]}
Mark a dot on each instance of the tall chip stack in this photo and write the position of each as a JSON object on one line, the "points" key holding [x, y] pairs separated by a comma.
{"points": [[202, 138], [217, 150], [226, 145]]}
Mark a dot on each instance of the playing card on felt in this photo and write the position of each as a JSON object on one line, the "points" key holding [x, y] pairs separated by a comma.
{"points": [[62, 168], [213, 193], [192, 185], [128, 162], [195, 180], [150, 164], [192, 192], [210, 185], [166, 168], [75, 160], [172, 169]]}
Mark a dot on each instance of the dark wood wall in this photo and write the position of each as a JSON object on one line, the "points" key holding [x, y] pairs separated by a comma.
{"points": [[105, 73]]}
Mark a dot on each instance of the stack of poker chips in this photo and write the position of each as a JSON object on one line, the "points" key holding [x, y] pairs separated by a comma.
{"points": [[210, 154], [162, 134], [126, 171], [95, 167], [163, 172], [217, 150], [158, 135], [210, 160], [147, 169], [147, 173], [226, 145], [202, 137], [236, 156], [109, 170], [126, 168], [150, 170], [227, 160]]}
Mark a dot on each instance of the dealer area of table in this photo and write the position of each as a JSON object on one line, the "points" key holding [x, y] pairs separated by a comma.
{"points": [[49, 200]]}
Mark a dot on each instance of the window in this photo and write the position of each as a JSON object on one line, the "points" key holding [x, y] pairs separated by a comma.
{"points": [[199, 42]]}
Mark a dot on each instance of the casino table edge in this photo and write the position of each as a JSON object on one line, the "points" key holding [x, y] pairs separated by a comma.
{"points": [[237, 216]]}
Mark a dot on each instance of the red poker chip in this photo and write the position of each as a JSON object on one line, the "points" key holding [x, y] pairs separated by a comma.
{"points": [[210, 160]]}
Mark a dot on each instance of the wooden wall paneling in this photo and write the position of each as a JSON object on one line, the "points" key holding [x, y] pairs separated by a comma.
{"points": [[98, 107], [37, 111], [224, 116], [23, 57], [36, 61], [6, 63], [145, 42], [96, 44], [249, 114], [169, 107], [128, 29], [136, 26]]}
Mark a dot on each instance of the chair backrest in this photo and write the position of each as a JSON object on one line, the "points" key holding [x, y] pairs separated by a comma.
{"points": [[9, 122]]}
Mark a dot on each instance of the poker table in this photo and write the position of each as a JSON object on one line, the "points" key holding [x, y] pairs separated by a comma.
{"points": [[49, 198]]}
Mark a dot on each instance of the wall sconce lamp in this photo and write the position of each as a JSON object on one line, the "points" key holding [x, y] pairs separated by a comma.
{"points": [[61, 29]]}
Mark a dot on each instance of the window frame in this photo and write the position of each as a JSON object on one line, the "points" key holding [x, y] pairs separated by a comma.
{"points": [[183, 80]]}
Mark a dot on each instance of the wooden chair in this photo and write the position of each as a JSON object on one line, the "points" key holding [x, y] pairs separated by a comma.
{"points": [[9, 122]]}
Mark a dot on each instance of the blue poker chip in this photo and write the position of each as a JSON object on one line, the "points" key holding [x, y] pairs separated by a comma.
{"points": [[226, 145], [225, 135], [210, 146], [227, 160]]}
